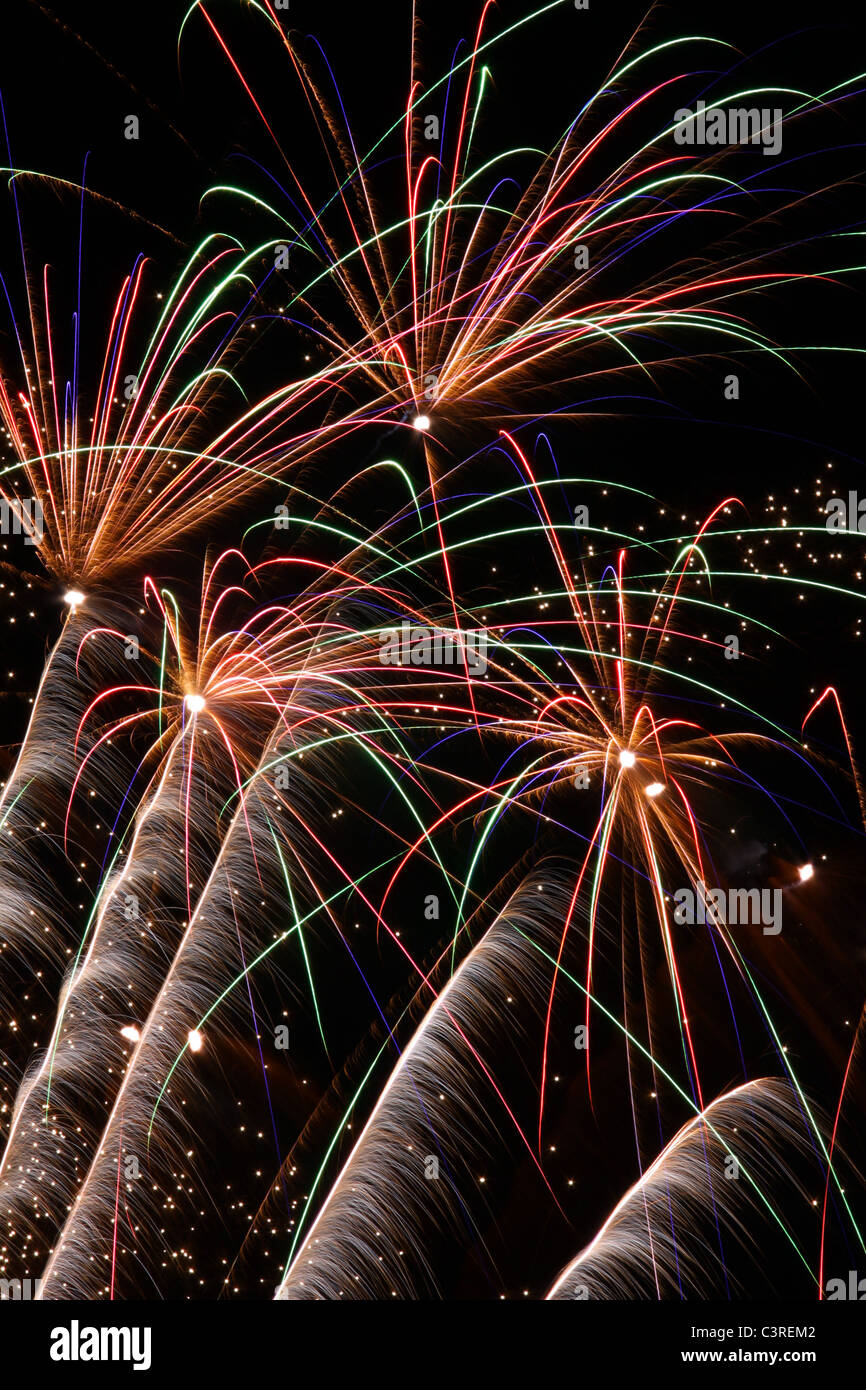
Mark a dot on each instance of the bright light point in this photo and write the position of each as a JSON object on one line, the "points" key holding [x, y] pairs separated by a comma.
{"points": [[421, 422], [74, 597], [655, 789], [195, 1040], [130, 1032], [195, 703], [626, 758], [806, 872]]}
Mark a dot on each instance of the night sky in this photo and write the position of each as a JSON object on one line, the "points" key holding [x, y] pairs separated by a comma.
{"points": [[659, 450]]}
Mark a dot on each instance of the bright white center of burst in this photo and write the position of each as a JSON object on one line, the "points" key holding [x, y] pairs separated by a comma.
{"points": [[655, 789], [130, 1032], [74, 597], [195, 1040], [195, 703], [421, 422], [626, 758], [806, 872]]}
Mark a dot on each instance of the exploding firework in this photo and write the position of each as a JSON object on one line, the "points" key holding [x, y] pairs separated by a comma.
{"points": [[385, 816]]}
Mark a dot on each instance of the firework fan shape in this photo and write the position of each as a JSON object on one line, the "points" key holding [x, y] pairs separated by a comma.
{"points": [[383, 768]]}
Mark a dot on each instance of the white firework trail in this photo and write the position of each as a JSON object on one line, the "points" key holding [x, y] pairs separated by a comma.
{"points": [[665, 1236], [413, 1171], [240, 918]]}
